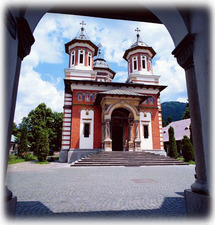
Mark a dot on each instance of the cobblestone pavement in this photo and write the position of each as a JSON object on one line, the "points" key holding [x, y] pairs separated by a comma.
{"points": [[56, 190]]}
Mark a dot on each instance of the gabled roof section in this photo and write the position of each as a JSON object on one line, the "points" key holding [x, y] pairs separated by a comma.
{"points": [[119, 92], [181, 128]]}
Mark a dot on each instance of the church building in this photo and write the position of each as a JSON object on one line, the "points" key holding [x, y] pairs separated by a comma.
{"points": [[100, 114]]}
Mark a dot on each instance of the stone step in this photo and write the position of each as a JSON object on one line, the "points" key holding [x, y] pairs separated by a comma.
{"points": [[127, 165], [127, 159]]}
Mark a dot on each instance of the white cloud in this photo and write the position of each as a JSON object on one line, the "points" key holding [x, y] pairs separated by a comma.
{"points": [[173, 76], [54, 30], [48, 44], [33, 90], [182, 100], [121, 76]]}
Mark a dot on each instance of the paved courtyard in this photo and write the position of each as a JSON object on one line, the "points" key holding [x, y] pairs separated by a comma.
{"points": [[58, 191]]}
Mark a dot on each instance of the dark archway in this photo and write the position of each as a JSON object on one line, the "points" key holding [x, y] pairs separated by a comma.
{"points": [[119, 129]]}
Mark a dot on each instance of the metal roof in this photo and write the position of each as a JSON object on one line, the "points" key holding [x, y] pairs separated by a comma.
{"points": [[120, 92], [181, 128]]}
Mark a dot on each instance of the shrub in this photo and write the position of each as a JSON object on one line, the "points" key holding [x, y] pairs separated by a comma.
{"points": [[15, 159], [23, 145], [172, 144], [27, 156], [187, 149], [43, 145]]}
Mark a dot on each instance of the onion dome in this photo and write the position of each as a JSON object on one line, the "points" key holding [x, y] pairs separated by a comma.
{"points": [[139, 45], [79, 40], [139, 41], [104, 73], [139, 57], [100, 62], [81, 52]]}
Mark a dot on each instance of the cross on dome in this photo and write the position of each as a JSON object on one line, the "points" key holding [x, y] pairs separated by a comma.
{"points": [[138, 42], [82, 35], [83, 24], [99, 46], [138, 36], [137, 30]]}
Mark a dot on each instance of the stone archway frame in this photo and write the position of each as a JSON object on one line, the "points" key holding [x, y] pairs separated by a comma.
{"points": [[121, 104], [132, 144]]}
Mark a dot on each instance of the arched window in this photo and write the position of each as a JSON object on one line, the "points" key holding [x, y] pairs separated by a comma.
{"points": [[81, 57], [73, 58], [94, 97], [80, 96], [135, 63], [87, 97], [143, 62], [145, 102], [89, 59], [151, 100]]}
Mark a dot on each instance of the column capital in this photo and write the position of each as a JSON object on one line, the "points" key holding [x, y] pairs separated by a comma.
{"points": [[184, 52]]}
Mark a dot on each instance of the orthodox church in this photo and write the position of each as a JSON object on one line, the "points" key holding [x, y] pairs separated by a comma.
{"points": [[103, 115]]}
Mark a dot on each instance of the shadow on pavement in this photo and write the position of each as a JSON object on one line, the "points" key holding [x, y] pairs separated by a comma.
{"points": [[171, 207]]}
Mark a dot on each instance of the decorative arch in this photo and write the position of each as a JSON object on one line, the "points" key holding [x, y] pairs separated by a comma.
{"points": [[122, 104]]}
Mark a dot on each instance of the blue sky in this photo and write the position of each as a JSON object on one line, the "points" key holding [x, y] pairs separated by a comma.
{"points": [[42, 72]]}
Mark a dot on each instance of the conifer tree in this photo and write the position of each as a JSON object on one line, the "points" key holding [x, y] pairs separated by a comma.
{"points": [[186, 113], [169, 120], [172, 144], [187, 149], [42, 144], [23, 144]]}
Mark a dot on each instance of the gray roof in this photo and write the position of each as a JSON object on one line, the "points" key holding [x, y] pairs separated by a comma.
{"points": [[120, 92], [99, 62], [181, 128]]}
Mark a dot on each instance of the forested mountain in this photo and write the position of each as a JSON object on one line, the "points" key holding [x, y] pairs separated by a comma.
{"points": [[173, 109]]}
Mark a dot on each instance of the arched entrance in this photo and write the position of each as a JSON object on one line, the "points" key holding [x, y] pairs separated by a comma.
{"points": [[119, 129]]}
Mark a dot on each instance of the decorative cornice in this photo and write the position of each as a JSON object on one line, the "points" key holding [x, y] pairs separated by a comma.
{"points": [[184, 52], [69, 82]]}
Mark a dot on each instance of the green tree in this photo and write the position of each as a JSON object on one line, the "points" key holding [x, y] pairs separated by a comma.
{"points": [[187, 149], [43, 118], [172, 144], [23, 143], [55, 135], [186, 113], [163, 123], [42, 144], [15, 129], [39, 118], [169, 120]]}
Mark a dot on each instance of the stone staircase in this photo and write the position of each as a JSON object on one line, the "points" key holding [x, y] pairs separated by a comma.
{"points": [[126, 159]]}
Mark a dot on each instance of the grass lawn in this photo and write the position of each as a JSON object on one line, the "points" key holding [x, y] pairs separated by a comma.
{"points": [[38, 162], [15, 159], [182, 160]]}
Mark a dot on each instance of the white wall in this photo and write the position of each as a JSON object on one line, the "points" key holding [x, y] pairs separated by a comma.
{"points": [[86, 142], [146, 143]]}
